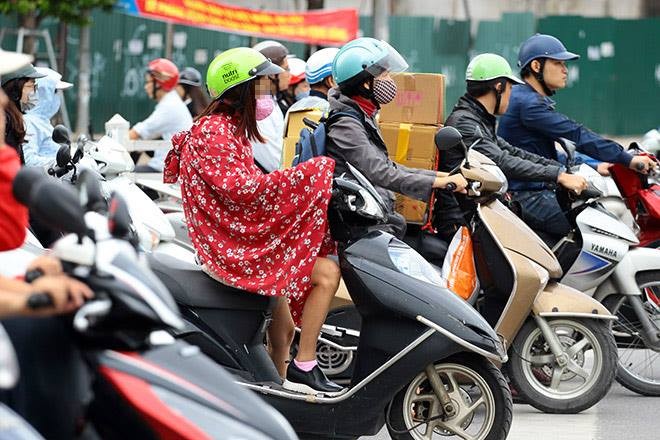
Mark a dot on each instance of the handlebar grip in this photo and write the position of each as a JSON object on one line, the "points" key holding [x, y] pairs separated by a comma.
{"points": [[39, 300], [33, 274], [451, 186]]}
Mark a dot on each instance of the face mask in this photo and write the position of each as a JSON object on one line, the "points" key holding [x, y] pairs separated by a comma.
{"points": [[265, 106], [302, 95], [384, 90], [31, 102]]}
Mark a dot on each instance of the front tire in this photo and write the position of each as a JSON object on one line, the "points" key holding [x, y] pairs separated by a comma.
{"points": [[479, 393], [581, 383], [637, 366]]}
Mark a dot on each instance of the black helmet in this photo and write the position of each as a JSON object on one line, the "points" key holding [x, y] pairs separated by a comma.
{"points": [[191, 77]]}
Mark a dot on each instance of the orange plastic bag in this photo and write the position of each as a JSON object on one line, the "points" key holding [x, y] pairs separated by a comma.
{"points": [[458, 269]]}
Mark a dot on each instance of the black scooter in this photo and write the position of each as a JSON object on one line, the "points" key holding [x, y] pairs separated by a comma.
{"points": [[145, 384], [424, 360]]}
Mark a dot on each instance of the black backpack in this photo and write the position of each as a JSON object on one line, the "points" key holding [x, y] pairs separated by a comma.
{"points": [[312, 141]]}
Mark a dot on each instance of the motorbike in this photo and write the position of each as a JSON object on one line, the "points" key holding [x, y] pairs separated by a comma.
{"points": [[562, 356], [159, 387], [602, 257], [424, 363], [642, 196]]}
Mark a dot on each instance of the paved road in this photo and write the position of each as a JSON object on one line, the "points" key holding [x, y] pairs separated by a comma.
{"points": [[622, 415]]}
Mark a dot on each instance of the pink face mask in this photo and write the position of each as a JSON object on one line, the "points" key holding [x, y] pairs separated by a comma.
{"points": [[265, 106]]}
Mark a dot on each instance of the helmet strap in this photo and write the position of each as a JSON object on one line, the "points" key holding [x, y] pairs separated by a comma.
{"points": [[498, 94], [369, 92], [539, 77]]}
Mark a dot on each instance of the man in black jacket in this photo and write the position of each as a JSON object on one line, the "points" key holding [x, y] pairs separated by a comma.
{"points": [[489, 80]]}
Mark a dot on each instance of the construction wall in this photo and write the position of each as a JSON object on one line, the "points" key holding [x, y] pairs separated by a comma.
{"points": [[614, 88]]}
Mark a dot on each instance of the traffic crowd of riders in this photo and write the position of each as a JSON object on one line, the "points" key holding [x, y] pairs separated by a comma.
{"points": [[264, 229]]}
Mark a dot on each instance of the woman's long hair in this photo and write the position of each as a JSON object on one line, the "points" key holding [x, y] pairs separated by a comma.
{"points": [[239, 101], [14, 90], [199, 99]]}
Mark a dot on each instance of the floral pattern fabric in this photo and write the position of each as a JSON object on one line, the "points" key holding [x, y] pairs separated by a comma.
{"points": [[254, 231]]}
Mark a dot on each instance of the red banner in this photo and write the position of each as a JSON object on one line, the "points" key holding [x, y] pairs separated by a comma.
{"points": [[325, 27]]}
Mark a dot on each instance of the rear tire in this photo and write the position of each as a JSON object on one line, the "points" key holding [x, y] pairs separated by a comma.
{"points": [[476, 378], [628, 324], [536, 382]]}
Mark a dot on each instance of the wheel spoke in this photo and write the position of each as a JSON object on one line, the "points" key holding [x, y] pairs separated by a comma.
{"points": [[468, 412], [454, 384], [556, 378], [577, 347], [542, 359], [461, 433], [428, 434], [577, 369]]}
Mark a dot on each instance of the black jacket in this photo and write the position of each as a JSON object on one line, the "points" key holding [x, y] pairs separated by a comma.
{"points": [[515, 163]]}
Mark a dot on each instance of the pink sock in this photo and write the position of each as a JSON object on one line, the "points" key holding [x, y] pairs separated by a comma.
{"points": [[305, 366]]}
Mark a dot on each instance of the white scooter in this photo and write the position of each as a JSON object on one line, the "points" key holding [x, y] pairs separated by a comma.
{"points": [[600, 257]]}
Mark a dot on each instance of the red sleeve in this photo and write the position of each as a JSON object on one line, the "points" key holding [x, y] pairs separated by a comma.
{"points": [[13, 215]]}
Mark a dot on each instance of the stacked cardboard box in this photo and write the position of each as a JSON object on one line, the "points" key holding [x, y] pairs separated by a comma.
{"points": [[295, 124], [409, 125]]}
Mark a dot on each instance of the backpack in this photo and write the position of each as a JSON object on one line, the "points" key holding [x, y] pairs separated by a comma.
{"points": [[313, 137]]}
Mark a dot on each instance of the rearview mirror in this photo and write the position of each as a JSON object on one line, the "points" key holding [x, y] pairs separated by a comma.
{"points": [[569, 147], [447, 138], [61, 135], [63, 156], [91, 198], [57, 206]]}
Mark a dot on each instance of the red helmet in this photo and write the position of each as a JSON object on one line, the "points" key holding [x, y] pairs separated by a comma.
{"points": [[164, 73]]}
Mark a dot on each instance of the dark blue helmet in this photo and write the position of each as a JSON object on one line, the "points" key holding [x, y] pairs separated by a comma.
{"points": [[543, 46]]}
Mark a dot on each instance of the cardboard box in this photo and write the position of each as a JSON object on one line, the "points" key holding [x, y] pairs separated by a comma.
{"points": [[296, 121], [419, 99], [412, 210], [288, 151], [409, 142]]}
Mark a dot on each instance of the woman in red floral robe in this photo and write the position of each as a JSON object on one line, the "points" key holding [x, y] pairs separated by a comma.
{"points": [[264, 233]]}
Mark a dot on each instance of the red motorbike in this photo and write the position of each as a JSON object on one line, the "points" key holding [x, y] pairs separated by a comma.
{"points": [[642, 196]]}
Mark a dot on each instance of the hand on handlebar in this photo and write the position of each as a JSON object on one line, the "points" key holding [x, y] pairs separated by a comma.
{"points": [[603, 168], [455, 183], [67, 294], [572, 182], [643, 164]]}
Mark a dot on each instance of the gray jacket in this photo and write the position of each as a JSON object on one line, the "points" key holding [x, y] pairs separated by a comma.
{"points": [[349, 141]]}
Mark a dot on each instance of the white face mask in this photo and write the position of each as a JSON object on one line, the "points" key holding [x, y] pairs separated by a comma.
{"points": [[31, 102]]}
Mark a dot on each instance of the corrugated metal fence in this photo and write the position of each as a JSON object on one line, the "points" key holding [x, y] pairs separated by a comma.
{"points": [[614, 88]]}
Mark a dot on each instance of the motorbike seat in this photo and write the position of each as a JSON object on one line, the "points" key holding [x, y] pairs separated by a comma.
{"points": [[190, 286]]}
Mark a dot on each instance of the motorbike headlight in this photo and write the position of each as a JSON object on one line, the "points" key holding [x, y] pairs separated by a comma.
{"points": [[497, 172], [410, 263]]}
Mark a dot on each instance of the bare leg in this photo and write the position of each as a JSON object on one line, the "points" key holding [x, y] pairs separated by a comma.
{"points": [[280, 335], [325, 280]]}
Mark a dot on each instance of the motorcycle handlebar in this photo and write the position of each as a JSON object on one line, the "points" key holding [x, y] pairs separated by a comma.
{"points": [[40, 300]]}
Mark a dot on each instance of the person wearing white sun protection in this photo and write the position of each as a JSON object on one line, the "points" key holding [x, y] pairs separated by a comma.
{"points": [[39, 148]]}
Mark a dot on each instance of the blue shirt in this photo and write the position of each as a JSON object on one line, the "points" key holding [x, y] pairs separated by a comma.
{"points": [[532, 123]]}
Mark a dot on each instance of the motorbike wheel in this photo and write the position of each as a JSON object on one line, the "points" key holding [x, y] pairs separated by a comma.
{"points": [[478, 391], [638, 365], [581, 383]]}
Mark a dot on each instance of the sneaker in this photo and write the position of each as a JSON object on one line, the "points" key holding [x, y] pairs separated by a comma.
{"points": [[310, 382]]}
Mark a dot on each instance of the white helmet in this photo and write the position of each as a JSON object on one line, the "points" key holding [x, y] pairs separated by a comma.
{"points": [[319, 65]]}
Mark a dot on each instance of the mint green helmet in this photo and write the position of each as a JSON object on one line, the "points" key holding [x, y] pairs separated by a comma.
{"points": [[366, 55], [489, 66]]}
